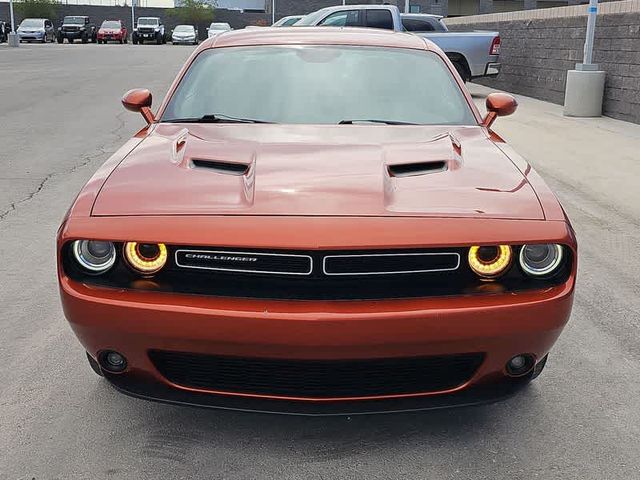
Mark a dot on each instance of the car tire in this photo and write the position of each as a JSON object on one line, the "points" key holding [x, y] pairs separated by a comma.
{"points": [[125, 40], [121, 41], [95, 366], [85, 39], [158, 39], [60, 39]]}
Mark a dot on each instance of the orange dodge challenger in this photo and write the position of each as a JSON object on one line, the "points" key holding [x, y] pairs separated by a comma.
{"points": [[317, 221]]}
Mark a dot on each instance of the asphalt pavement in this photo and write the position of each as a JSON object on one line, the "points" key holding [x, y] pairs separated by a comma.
{"points": [[60, 118]]}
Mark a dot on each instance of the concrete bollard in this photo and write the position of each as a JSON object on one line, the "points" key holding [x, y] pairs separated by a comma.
{"points": [[584, 93], [13, 40]]}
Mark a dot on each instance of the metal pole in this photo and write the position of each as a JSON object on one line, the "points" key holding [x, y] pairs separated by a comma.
{"points": [[591, 31], [273, 12], [12, 39], [406, 6], [133, 18], [13, 20]]}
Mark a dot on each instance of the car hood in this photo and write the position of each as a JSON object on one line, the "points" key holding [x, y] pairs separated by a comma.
{"points": [[351, 170]]}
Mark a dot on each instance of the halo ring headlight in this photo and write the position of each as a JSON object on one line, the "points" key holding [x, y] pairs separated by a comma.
{"points": [[538, 260], [146, 258], [490, 262], [94, 256]]}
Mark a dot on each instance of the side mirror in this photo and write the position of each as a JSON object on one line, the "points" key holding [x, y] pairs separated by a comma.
{"points": [[139, 100], [499, 105]]}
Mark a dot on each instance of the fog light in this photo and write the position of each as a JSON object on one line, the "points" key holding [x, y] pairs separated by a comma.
{"points": [[520, 365], [113, 361]]}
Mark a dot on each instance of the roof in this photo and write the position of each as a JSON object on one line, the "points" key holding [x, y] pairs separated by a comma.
{"points": [[318, 36]]}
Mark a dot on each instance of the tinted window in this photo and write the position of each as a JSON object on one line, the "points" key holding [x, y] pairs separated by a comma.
{"points": [[347, 18], [320, 85], [379, 19], [290, 22], [413, 25]]}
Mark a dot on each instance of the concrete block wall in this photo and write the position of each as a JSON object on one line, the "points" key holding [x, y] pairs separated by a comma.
{"points": [[538, 47]]}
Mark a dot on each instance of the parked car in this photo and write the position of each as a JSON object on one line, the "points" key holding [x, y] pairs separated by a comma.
{"points": [[300, 228], [287, 21], [36, 29], [149, 29], [5, 30], [216, 28], [473, 54], [112, 30], [77, 27], [184, 34]]}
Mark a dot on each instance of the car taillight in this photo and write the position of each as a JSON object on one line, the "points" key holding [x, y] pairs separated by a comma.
{"points": [[495, 46]]}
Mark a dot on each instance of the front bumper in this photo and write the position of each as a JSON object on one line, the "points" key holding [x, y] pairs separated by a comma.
{"points": [[185, 41], [73, 35], [32, 35], [133, 323], [110, 37]]}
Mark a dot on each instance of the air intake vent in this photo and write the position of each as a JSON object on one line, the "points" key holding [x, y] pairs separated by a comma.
{"points": [[413, 169], [227, 168]]}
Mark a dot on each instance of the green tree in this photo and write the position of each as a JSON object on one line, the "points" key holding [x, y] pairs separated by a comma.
{"points": [[37, 8], [193, 12]]}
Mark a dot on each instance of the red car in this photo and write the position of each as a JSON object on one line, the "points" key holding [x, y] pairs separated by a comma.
{"points": [[112, 31], [317, 221]]}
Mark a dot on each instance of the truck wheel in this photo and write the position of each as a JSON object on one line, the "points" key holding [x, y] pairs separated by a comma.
{"points": [[159, 39], [60, 39], [94, 38], [85, 39], [462, 71]]}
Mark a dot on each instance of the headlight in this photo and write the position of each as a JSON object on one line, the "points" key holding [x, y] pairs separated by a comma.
{"points": [[146, 258], [542, 259], [490, 261], [95, 256]]}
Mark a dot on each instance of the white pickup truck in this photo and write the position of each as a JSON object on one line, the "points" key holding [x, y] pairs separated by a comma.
{"points": [[474, 54]]}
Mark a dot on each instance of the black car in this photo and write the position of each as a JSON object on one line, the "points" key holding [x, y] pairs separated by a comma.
{"points": [[77, 27], [5, 30]]}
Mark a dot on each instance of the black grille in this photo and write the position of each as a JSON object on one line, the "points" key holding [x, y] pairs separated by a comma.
{"points": [[317, 378], [390, 263]]}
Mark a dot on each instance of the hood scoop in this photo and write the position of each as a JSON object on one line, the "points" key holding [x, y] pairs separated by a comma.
{"points": [[413, 169], [222, 167]]}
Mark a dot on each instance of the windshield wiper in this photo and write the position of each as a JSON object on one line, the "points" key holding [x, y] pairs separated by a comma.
{"points": [[214, 118], [386, 122]]}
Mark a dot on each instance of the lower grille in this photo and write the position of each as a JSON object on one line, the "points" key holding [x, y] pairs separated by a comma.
{"points": [[317, 378]]}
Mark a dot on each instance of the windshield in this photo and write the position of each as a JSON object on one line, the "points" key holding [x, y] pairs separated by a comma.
{"points": [[312, 18], [111, 24], [32, 23], [73, 20], [220, 26], [147, 21], [321, 85], [184, 29]]}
